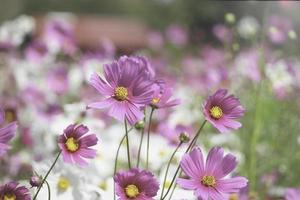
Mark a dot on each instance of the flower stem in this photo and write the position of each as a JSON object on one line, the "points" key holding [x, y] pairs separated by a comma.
{"points": [[148, 137], [117, 156], [193, 142], [44, 179], [140, 147], [49, 190], [168, 166], [127, 144]]}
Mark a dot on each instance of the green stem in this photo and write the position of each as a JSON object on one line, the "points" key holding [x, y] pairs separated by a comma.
{"points": [[49, 190], [117, 156], [173, 190], [168, 166], [127, 144], [187, 150], [148, 137], [140, 147], [44, 179]]}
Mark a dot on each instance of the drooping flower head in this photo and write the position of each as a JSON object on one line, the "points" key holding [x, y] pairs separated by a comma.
{"points": [[136, 184], [292, 194], [11, 191], [127, 87], [76, 144], [7, 132], [221, 110], [208, 179], [173, 134]]}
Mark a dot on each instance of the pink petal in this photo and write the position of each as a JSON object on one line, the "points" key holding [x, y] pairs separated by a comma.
{"points": [[214, 159], [231, 185], [100, 85], [187, 184], [228, 164], [102, 104]]}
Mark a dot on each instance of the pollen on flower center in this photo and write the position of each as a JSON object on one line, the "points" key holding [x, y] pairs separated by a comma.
{"points": [[208, 181], [132, 191], [121, 93], [216, 112], [72, 145], [10, 196], [155, 100], [233, 197], [63, 184]]}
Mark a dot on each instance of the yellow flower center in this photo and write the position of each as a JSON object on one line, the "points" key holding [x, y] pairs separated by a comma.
{"points": [[216, 112], [63, 184], [155, 100], [132, 191], [72, 145], [10, 196], [233, 197], [121, 93], [208, 181], [103, 185]]}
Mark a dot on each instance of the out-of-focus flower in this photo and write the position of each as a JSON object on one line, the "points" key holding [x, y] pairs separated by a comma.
{"points": [[222, 33], [13, 33], [57, 79], [208, 179], [282, 80], [136, 184], [155, 40], [127, 88], [229, 18], [173, 134], [7, 132], [59, 36], [12, 191], [177, 35], [248, 27], [221, 110], [278, 29], [36, 51], [162, 96], [247, 63], [292, 194], [76, 145]]}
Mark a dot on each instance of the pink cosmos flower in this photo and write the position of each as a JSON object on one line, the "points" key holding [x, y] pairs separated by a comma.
{"points": [[11, 191], [136, 184], [7, 132], [127, 88], [76, 145], [221, 111], [223, 33], [177, 35], [208, 179], [292, 194], [278, 28], [162, 97]]}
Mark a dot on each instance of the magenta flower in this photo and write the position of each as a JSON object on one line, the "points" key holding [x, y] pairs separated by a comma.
{"points": [[208, 179], [7, 132], [76, 145], [221, 111], [136, 184], [292, 194], [162, 97], [279, 26], [11, 191], [127, 88]]}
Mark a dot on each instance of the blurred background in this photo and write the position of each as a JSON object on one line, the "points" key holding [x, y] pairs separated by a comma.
{"points": [[49, 49]]}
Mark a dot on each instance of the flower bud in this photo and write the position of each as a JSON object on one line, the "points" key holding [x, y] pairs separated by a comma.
{"points": [[230, 18], [139, 125], [184, 137], [35, 181]]}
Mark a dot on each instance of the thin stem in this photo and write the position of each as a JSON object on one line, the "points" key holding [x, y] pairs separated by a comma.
{"points": [[127, 144], [173, 190], [117, 156], [141, 140], [44, 179], [168, 166], [187, 150], [140, 147], [49, 190], [148, 137]]}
